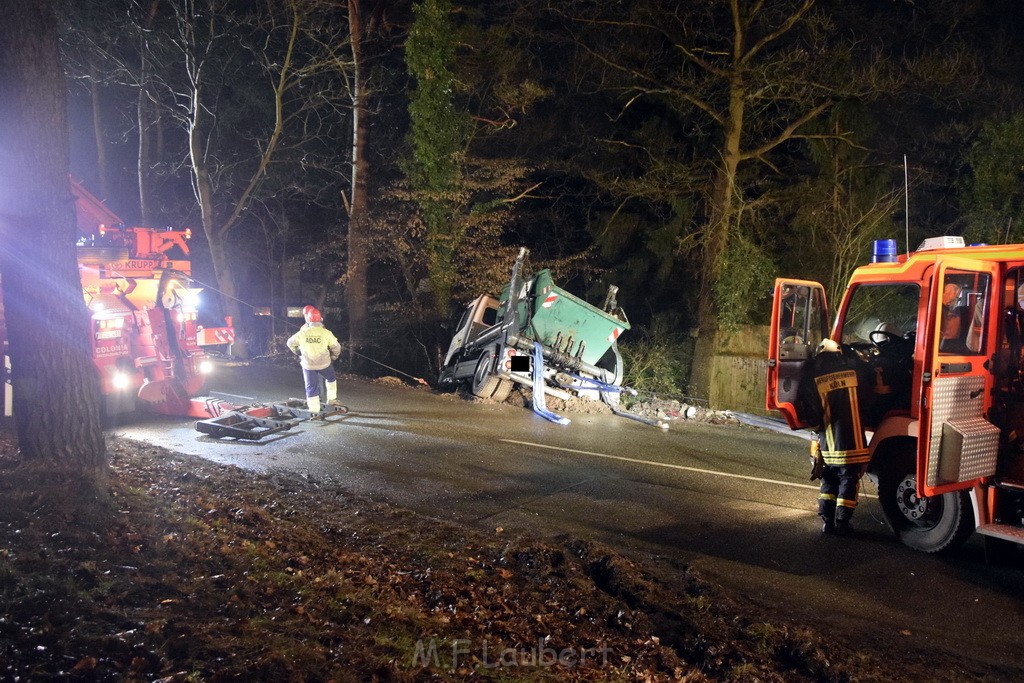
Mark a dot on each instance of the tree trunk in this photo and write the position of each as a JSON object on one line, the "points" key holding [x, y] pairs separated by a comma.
{"points": [[355, 287], [56, 399], [146, 115], [722, 207], [716, 241], [145, 154], [216, 235], [229, 296], [97, 131]]}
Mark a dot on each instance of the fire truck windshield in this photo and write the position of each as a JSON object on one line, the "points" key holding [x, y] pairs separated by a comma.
{"points": [[887, 308]]}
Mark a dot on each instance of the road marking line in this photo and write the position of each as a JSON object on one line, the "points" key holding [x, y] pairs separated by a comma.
{"points": [[670, 466]]}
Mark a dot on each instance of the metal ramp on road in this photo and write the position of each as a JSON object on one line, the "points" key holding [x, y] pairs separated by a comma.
{"points": [[255, 422]]}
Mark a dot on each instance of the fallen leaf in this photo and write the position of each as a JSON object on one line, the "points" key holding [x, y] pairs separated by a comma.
{"points": [[84, 664]]}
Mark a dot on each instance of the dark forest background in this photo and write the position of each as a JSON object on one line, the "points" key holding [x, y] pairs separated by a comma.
{"points": [[384, 159]]}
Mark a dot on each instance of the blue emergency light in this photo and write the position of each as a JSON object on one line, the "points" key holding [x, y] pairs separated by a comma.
{"points": [[884, 251]]}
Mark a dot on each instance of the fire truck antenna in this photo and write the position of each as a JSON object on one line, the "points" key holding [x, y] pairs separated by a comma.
{"points": [[906, 200]]}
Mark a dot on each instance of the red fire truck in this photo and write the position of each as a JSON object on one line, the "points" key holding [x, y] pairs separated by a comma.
{"points": [[942, 329]]}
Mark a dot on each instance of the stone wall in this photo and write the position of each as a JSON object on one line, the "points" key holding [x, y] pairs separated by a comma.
{"points": [[736, 368]]}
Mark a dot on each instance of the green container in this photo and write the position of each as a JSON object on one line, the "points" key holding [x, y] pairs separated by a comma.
{"points": [[556, 311]]}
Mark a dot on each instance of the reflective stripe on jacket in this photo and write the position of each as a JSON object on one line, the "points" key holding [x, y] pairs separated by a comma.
{"points": [[317, 346], [842, 435], [835, 395]]}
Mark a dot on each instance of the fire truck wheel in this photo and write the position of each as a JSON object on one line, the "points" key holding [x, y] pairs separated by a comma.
{"points": [[929, 524], [485, 383]]}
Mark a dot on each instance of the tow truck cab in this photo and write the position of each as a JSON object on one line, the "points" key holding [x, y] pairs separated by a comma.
{"points": [[942, 330]]}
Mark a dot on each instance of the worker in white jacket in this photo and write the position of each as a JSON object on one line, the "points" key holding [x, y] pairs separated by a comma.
{"points": [[317, 349]]}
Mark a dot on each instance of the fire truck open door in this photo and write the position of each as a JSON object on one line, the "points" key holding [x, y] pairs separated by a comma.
{"points": [[799, 323], [957, 445]]}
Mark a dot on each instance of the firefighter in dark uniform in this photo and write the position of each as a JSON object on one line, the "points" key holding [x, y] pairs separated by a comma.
{"points": [[836, 391]]}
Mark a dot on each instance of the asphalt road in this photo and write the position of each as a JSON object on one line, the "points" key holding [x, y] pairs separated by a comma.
{"points": [[731, 501]]}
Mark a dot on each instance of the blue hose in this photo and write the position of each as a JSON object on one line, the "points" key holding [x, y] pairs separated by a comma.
{"points": [[539, 406], [591, 383]]}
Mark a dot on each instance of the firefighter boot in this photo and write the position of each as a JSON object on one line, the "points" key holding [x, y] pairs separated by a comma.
{"points": [[827, 512], [332, 398], [843, 526], [313, 402]]}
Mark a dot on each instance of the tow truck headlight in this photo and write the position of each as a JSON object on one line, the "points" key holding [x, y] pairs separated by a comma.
{"points": [[120, 381], [205, 367], [190, 299]]}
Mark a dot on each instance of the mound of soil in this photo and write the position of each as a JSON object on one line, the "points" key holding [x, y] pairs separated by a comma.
{"points": [[523, 396]]}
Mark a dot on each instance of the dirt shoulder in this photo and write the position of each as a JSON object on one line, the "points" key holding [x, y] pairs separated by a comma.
{"points": [[178, 569]]}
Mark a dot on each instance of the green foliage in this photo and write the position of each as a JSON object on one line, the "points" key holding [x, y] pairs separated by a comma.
{"points": [[657, 358], [836, 211], [747, 272], [993, 194], [437, 134], [643, 246]]}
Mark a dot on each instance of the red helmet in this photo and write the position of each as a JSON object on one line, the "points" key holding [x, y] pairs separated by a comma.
{"points": [[312, 315]]}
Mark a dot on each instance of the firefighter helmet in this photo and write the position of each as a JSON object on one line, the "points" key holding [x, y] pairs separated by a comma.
{"points": [[828, 346], [312, 315]]}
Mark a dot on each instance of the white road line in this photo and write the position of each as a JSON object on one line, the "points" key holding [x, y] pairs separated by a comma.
{"points": [[670, 466]]}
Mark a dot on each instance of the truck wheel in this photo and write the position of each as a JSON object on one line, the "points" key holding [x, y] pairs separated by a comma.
{"points": [[503, 390], [446, 379], [929, 524], [485, 383]]}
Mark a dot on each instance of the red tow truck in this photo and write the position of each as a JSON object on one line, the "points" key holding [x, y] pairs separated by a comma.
{"points": [[148, 347]]}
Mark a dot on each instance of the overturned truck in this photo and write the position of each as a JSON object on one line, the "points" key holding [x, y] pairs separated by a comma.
{"points": [[538, 334]]}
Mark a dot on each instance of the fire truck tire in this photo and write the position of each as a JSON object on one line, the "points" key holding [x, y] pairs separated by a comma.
{"points": [[930, 525], [485, 383]]}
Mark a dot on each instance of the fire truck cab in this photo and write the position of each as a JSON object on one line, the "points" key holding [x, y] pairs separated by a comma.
{"points": [[942, 330]]}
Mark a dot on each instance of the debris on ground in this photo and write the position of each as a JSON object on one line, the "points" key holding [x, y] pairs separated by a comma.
{"points": [[671, 409], [391, 381], [648, 407]]}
